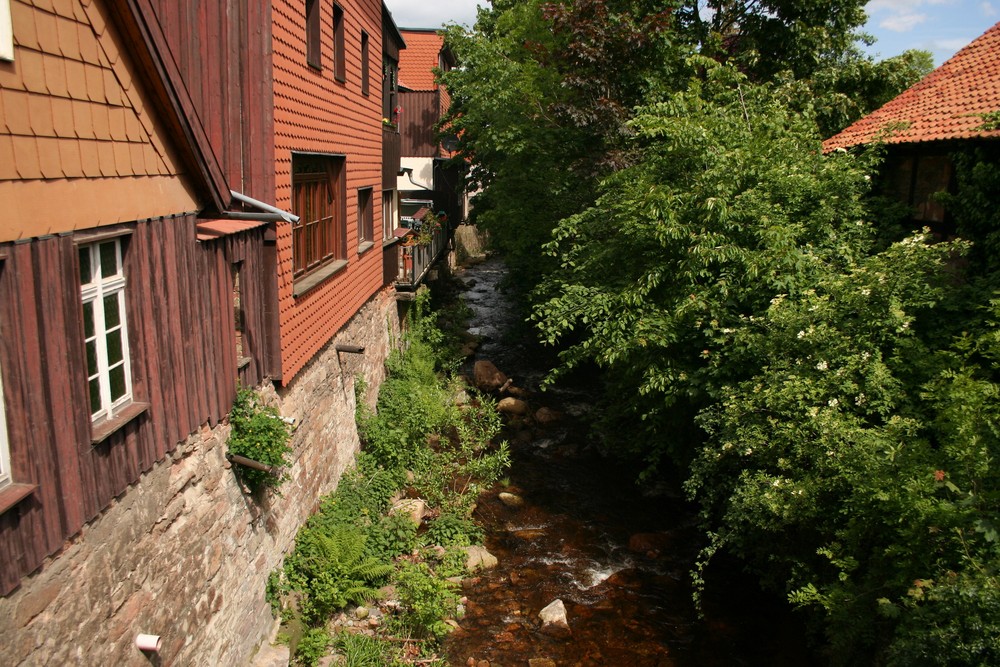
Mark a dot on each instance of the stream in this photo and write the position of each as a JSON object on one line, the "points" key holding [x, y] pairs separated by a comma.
{"points": [[586, 534]]}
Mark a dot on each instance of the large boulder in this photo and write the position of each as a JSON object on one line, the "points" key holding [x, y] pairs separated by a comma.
{"points": [[512, 406], [416, 508], [554, 621], [478, 558], [487, 376]]}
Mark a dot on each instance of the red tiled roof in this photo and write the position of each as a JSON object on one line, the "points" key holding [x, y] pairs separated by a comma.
{"points": [[946, 104], [209, 230], [418, 60]]}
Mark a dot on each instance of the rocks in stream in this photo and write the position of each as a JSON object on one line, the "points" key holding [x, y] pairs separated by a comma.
{"points": [[554, 621], [512, 406], [545, 416], [511, 500], [478, 558], [488, 377]]}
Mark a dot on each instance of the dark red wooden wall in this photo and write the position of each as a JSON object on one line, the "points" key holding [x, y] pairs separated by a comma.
{"points": [[421, 112], [223, 51], [179, 298]]}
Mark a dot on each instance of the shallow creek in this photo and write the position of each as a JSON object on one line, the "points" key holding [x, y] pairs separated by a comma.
{"points": [[587, 535]]}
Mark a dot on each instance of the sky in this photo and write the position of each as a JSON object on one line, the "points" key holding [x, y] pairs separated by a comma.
{"points": [[939, 26]]}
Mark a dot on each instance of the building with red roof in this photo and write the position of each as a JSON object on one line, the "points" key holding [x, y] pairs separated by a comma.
{"points": [[946, 110], [428, 178]]}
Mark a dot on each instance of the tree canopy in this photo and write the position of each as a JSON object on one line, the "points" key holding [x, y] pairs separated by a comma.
{"points": [[826, 386]]}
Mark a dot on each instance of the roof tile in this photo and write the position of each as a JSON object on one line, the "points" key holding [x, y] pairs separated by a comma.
{"points": [[22, 18], [26, 157], [116, 119], [69, 158], [948, 103], [76, 79], [106, 155], [49, 160], [48, 33], [41, 116], [83, 119], [32, 70], [62, 117], [102, 125], [95, 84], [15, 104], [88, 45], [64, 8], [8, 165], [55, 75], [69, 38], [90, 158], [123, 159], [418, 60]]}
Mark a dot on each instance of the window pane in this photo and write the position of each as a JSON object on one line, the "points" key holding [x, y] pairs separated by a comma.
{"points": [[117, 382], [109, 259], [115, 347], [86, 270], [92, 358], [95, 395], [112, 316], [88, 319]]}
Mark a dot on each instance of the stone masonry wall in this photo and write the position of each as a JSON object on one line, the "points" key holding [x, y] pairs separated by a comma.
{"points": [[184, 553]]}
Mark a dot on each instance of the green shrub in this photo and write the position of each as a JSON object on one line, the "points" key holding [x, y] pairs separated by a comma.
{"points": [[313, 646], [258, 433], [426, 599], [391, 536], [452, 529], [362, 651]]}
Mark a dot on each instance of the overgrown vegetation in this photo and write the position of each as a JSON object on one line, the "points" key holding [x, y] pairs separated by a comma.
{"points": [[258, 433], [418, 443], [824, 379]]}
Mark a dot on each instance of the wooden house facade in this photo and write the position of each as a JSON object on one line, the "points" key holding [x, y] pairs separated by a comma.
{"points": [[428, 172], [951, 109], [121, 264], [328, 157]]}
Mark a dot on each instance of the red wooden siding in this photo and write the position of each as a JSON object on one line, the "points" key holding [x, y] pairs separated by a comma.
{"points": [[182, 346], [317, 113], [421, 112], [223, 50]]}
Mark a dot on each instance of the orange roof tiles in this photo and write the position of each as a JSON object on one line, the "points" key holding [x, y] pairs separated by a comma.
{"points": [[418, 60], [947, 104]]}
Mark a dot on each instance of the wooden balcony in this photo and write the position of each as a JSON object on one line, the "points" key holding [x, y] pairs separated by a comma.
{"points": [[414, 261], [391, 152]]}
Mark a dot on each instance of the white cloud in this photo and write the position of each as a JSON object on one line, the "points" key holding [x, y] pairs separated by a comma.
{"points": [[903, 22], [988, 9]]}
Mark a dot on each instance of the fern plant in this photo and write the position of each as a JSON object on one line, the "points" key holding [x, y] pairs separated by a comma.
{"points": [[330, 567]]}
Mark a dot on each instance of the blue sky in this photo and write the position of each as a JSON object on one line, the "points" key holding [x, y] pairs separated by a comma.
{"points": [[939, 26]]}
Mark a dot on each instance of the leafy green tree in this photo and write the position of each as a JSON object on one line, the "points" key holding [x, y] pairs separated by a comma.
{"points": [[540, 103], [731, 204]]}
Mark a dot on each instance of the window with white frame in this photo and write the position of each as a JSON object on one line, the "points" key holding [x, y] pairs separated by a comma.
{"points": [[390, 219], [5, 477], [102, 289]]}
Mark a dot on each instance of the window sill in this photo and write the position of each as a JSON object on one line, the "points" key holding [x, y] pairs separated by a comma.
{"points": [[13, 494], [365, 247], [307, 282], [101, 431]]}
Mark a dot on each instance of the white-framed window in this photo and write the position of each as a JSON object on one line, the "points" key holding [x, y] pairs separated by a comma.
{"points": [[390, 217], [5, 477], [102, 290]]}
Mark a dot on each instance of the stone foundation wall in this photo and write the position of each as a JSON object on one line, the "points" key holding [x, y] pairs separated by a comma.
{"points": [[184, 553]]}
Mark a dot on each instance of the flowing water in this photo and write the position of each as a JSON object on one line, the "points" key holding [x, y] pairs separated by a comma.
{"points": [[586, 534]]}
